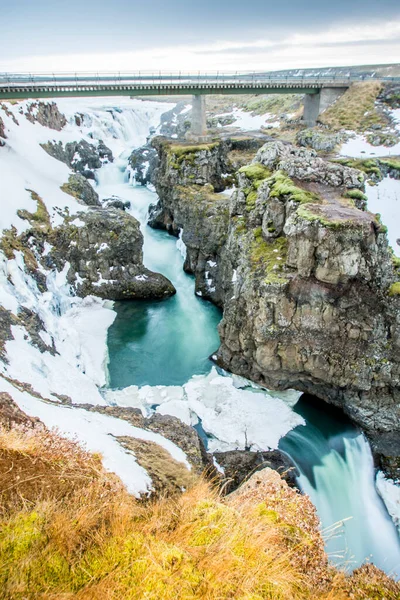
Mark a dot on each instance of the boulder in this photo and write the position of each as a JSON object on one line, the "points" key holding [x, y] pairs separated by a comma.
{"points": [[104, 249], [239, 465], [80, 188], [116, 202], [46, 114], [81, 156]]}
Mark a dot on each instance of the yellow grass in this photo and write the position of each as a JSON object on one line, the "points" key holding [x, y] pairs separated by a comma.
{"points": [[356, 109], [70, 530]]}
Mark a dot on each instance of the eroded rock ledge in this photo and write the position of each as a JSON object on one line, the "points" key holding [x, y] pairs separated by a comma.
{"points": [[305, 276]]}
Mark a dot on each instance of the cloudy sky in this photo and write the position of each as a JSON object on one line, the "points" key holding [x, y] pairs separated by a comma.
{"points": [[78, 35]]}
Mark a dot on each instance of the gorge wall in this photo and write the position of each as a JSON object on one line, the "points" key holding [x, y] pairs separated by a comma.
{"points": [[303, 272]]}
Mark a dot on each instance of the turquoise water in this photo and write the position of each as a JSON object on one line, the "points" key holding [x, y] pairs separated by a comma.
{"points": [[337, 472], [162, 342], [166, 342]]}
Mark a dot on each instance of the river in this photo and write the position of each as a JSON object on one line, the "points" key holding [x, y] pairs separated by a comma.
{"points": [[166, 343]]}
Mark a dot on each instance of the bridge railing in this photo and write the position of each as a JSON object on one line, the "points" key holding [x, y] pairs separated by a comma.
{"points": [[174, 77]]}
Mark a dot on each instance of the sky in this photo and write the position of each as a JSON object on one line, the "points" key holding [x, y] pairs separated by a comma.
{"points": [[187, 35]]}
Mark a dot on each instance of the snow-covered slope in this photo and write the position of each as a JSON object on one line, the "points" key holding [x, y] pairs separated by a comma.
{"points": [[63, 360]]}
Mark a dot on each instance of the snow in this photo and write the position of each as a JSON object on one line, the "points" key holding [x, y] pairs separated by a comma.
{"points": [[98, 433], [384, 198], [390, 494], [358, 147], [76, 327], [234, 418], [218, 466], [180, 244], [248, 122]]}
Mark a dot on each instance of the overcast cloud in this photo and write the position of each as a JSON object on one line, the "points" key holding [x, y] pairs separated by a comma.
{"points": [[78, 35]]}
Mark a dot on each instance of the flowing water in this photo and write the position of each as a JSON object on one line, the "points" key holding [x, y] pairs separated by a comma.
{"points": [[167, 342]]}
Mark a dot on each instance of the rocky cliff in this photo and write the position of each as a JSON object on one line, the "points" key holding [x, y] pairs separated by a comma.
{"points": [[305, 276]]}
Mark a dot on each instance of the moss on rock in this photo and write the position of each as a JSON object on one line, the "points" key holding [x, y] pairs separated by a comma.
{"points": [[394, 289]]}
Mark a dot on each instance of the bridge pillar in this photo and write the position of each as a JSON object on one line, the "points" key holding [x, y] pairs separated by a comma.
{"points": [[315, 104], [198, 130]]}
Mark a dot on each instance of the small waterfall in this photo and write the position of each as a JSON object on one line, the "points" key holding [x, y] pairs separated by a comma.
{"points": [[337, 472]]}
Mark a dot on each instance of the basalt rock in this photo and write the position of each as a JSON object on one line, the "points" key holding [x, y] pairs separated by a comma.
{"points": [[2, 132], [81, 157], [176, 122], [80, 188], [239, 465], [46, 114], [116, 202], [318, 139], [104, 249], [304, 277], [190, 164], [142, 162]]}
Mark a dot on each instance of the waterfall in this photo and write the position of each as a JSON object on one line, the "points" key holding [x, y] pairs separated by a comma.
{"points": [[337, 472]]}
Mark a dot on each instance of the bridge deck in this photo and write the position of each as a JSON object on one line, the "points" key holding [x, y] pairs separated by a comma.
{"points": [[45, 85]]}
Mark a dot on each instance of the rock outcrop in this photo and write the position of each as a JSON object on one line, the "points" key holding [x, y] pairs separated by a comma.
{"points": [[81, 157], [116, 202], [80, 188], [104, 249], [2, 132], [319, 139], [46, 114], [239, 465], [142, 163], [306, 279]]}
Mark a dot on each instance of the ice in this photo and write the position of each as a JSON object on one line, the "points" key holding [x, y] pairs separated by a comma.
{"points": [[234, 418], [390, 494]]}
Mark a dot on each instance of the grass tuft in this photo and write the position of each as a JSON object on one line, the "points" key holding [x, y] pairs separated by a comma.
{"points": [[68, 530]]}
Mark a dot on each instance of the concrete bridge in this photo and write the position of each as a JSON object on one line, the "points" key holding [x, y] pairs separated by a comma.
{"points": [[319, 91]]}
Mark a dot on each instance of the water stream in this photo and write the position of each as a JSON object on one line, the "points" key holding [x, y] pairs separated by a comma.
{"points": [[166, 343]]}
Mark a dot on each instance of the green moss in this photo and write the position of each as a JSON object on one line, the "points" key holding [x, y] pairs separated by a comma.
{"points": [[40, 217], [282, 186], [268, 258], [10, 242], [356, 195], [396, 261], [392, 163], [370, 166], [307, 213], [394, 289], [251, 200], [255, 171]]}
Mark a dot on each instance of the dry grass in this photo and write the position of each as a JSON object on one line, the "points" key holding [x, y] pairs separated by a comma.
{"points": [[76, 533], [356, 109]]}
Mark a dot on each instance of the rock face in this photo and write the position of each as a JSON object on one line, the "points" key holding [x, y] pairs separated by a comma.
{"points": [[80, 188], [239, 465], [391, 95], [303, 277], [190, 164], [46, 114], [104, 249], [81, 157], [2, 132], [318, 139], [142, 163], [116, 202]]}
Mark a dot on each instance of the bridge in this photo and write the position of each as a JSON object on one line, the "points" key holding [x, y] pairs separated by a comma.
{"points": [[319, 91]]}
